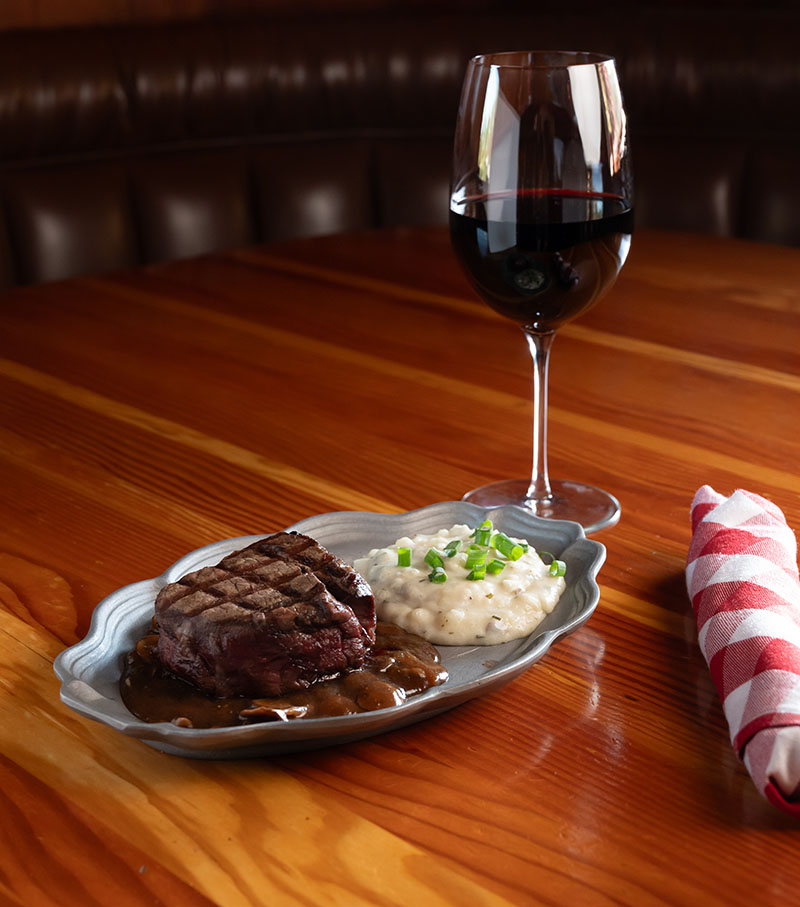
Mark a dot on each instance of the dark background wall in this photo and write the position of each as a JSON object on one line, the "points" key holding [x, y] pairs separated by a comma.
{"points": [[143, 130]]}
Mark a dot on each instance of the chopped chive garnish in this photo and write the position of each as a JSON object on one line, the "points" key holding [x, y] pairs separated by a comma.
{"points": [[437, 575], [433, 558], [483, 533], [403, 557], [558, 568], [475, 557], [486, 524], [505, 546], [495, 566], [451, 547], [477, 572], [501, 535]]}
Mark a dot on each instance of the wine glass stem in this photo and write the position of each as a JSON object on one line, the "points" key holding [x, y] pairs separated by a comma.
{"points": [[539, 345]]}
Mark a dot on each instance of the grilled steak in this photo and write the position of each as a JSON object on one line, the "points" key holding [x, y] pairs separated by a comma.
{"points": [[339, 579], [273, 617]]}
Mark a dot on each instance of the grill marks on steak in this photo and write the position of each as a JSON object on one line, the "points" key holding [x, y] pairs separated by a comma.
{"points": [[338, 578], [276, 616]]}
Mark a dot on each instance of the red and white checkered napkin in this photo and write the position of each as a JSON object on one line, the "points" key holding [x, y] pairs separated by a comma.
{"points": [[742, 578]]}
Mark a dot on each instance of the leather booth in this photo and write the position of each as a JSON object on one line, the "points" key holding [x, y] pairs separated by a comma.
{"points": [[133, 144]]}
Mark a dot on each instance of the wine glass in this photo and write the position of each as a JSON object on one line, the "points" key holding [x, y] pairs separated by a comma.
{"points": [[540, 218]]}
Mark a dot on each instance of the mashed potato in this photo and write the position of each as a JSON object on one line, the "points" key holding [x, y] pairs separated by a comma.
{"points": [[460, 612]]}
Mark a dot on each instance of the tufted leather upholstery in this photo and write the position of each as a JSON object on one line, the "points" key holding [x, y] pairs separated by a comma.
{"points": [[129, 145]]}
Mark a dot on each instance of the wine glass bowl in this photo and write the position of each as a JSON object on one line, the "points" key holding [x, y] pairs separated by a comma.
{"points": [[541, 214]]}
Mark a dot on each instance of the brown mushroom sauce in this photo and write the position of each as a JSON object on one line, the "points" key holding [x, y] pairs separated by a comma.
{"points": [[399, 665]]}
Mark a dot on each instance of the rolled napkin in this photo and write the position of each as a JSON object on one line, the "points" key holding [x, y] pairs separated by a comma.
{"points": [[742, 578]]}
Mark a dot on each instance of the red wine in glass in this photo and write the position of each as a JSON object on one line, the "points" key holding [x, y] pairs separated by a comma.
{"points": [[551, 256], [541, 217]]}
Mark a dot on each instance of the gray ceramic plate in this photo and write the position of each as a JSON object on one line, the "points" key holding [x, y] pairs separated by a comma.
{"points": [[90, 671]]}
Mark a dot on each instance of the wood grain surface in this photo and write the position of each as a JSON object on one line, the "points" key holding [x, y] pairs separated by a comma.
{"points": [[148, 413]]}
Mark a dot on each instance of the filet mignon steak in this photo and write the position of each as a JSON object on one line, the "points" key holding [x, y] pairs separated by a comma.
{"points": [[276, 616]]}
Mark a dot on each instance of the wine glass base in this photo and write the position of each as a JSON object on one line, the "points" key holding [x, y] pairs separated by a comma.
{"points": [[592, 507]]}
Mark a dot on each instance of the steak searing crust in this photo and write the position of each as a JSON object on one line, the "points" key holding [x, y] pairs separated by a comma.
{"points": [[276, 616]]}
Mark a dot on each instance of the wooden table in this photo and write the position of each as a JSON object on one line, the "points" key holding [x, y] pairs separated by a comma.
{"points": [[147, 414]]}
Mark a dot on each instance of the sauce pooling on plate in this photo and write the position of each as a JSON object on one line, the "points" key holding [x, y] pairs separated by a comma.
{"points": [[400, 665]]}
